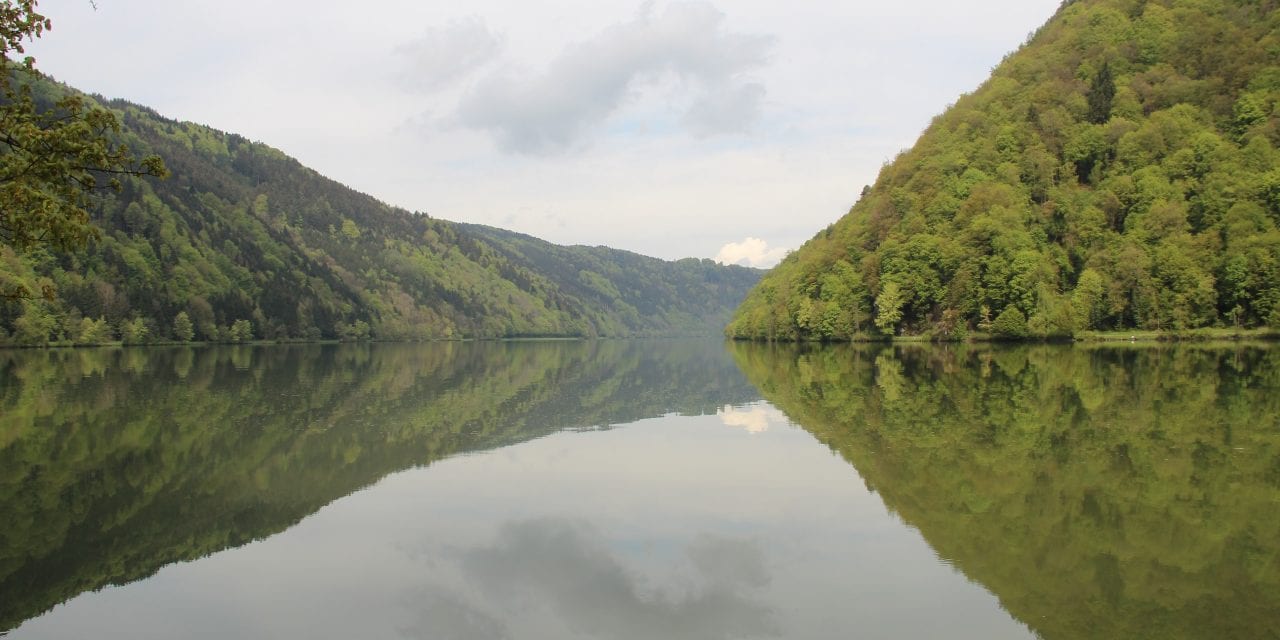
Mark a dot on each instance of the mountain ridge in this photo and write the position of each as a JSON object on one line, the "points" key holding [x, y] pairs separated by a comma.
{"points": [[243, 233]]}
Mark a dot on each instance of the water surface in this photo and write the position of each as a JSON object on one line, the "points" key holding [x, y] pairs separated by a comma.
{"points": [[638, 490]]}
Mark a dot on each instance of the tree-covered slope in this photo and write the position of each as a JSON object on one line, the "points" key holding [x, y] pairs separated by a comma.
{"points": [[674, 296], [1118, 171], [241, 232]]}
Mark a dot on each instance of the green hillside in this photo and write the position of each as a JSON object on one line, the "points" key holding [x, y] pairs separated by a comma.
{"points": [[1118, 171], [248, 243], [688, 293]]}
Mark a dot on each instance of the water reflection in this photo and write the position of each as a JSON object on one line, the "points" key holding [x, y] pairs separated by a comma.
{"points": [[753, 419], [1131, 492], [114, 463], [565, 567], [1098, 492]]}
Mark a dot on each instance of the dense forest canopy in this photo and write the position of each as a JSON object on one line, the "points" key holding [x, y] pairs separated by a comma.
{"points": [[243, 242], [1119, 171]]}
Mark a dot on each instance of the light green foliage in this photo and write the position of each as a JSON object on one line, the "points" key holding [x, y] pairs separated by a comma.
{"points": [[36, 324], [1119, 171], [1011, 323], [1086, 300], [183, 330], [134, 331], [358, 330], [93, 332], [350, 229], [889, 307], [240, 331], [843, 297]]}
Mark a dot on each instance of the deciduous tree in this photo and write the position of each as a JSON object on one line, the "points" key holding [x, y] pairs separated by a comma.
{"points": [[55, 150]]}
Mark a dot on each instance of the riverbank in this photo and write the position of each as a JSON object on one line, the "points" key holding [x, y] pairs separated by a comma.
{"points": [[1187, 335]]}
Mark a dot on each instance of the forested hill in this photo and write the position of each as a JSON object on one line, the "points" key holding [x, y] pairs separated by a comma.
{"points": [[626, 285], [248, 243], [1118, 171]]}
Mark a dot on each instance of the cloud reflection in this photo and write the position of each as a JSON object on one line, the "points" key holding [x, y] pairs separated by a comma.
{"points": [[440, 615], [563, 571], [755, 419]]}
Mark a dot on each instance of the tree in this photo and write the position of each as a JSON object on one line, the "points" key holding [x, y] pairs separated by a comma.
{"points": [[93, 331], [240, 331], [35, 325], [1086, 300], [55, 151], [1102, 92], [1011, 323], [183, 330], [134, 331], [358, 330], [889, 307]]}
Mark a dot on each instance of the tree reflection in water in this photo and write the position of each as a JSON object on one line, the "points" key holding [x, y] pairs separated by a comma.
{"points": [[1112, 492]]}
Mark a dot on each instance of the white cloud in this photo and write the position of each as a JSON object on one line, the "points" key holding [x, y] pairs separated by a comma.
{"points": [[751, 252], [442, 55], [730, 110], [755, 419], [557, 110], [378, 103]]}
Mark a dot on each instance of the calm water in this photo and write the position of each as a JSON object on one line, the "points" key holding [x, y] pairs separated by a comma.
{"points": [[640, 490]]}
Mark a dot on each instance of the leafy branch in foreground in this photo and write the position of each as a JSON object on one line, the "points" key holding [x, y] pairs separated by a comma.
{"points": [[54, 155]]}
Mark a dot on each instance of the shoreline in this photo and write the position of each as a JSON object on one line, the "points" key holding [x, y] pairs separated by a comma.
{"points": [[1086, 337]]}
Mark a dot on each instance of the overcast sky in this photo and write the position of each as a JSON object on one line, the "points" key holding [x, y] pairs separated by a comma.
{"points": [[722, 129]]}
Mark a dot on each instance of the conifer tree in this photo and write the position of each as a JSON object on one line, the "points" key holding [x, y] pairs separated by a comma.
{"points": [[1102, 92]]}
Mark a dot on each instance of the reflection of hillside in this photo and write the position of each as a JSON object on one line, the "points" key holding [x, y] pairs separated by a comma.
{"points": [[114, 463], [1106, 493]]}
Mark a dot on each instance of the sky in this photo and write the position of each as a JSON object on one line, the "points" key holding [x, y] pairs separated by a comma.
{"points": [[703, 128]]}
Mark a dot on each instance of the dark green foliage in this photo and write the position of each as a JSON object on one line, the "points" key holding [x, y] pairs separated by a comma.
{"points": [[243, 233], [1098, 493], [1117, 172], [1101, 92]]}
